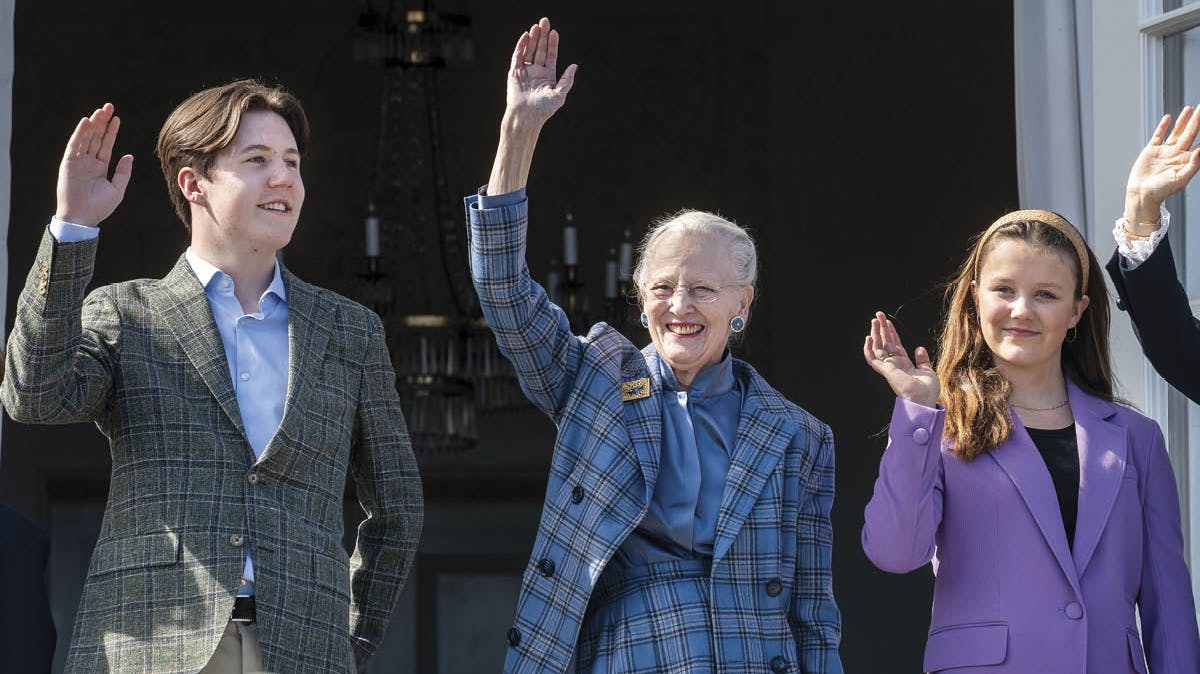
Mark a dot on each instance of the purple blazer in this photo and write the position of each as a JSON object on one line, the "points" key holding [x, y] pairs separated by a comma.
{"points": [[1009, 596]]}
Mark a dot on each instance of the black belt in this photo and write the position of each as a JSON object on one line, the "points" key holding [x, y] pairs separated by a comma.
{"points": [[243, 610]]}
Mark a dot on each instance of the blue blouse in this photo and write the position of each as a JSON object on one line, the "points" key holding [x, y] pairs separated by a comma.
{"points": [[699, 430]]}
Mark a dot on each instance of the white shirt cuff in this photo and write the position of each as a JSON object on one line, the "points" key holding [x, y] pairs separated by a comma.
{"points": [[1137, 251], [69, 232]]}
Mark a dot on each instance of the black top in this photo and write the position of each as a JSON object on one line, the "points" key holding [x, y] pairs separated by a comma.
{"points": [[1060, 451]]}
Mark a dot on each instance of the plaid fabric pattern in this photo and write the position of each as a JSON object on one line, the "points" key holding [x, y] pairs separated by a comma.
{"points": [[144, 361], [771, 591]]}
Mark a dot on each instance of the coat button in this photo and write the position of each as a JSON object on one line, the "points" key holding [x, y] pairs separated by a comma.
{"points": [[577, 494], [252, 478], [921, 436], [1073, 610], [1121, 304], [778, 664], [514, 636], [546, 567], [236, 540], [774, 587]]}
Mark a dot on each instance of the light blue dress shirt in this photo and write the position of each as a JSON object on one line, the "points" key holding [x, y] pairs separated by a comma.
{"points": [[699, 431], [256, 349]]}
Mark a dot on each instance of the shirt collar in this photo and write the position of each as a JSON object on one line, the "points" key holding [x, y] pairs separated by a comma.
{"points": [[711, 381], [208, 272]]}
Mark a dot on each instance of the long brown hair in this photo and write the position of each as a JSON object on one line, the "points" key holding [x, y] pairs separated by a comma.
{"points": [[974, 392]]}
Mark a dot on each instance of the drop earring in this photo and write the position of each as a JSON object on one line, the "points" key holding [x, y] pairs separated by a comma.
{"points": [[645, 320], [737, 324]]}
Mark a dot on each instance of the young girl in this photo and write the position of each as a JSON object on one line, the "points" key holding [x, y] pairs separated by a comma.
{"points": [[1048, 509]]}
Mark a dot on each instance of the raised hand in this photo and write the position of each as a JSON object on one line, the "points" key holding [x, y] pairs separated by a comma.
{"points": [[912, 380], [1162, 168], [86, 196], [534, 90]]}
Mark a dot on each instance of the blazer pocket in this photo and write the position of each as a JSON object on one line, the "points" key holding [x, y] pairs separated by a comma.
{"points": [[1135, 652], [136, 552], [970, 645]]}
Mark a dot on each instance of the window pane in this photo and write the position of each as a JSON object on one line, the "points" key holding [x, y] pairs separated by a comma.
{"points": [[1181, 86]]}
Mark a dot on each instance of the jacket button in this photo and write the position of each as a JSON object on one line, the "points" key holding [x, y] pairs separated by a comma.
{"points": [[546, 567], [514, 636], [236, 540], [1073, 610], [921, 436], [774, 587], [252, 478], [778, 664], [577, 494], [1121, 304]]}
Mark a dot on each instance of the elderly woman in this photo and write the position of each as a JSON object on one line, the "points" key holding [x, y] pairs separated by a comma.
{"points": [[686, 520]]}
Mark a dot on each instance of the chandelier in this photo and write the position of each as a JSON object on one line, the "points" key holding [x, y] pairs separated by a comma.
{"points": [[448, 368]]}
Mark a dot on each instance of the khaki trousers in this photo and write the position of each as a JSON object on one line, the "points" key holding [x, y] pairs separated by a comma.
{"points": [[237, 652]]}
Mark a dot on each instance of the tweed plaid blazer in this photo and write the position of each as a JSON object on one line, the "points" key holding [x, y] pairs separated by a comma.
{"points": [[144, 361], [771, 587]]}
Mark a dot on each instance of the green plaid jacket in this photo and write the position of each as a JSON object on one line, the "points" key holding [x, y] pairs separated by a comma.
{"points": [[144, 361]]}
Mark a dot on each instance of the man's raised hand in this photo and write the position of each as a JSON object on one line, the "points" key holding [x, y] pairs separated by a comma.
{"points": [[86, 195]]}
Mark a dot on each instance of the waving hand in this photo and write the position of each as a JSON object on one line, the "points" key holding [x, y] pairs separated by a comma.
{"points": [[86, 195], [913, 380], [1163, 167]]}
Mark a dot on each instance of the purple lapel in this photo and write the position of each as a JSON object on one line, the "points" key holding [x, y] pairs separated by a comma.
{"points": [[1102, 451], [1019, 458]]}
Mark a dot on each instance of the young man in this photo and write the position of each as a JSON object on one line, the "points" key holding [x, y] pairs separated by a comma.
{"points": [[236, 399]]}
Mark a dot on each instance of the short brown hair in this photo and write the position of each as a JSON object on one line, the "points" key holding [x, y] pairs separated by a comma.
{"points": [[204, 124]]}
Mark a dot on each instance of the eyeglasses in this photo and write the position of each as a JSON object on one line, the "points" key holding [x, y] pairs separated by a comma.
{"points": [[697, 293]]}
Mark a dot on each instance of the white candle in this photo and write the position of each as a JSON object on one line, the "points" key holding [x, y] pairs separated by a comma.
{"points": [[553, 282], [626, 261], [372, 231], [570, 244], [610, 278]]}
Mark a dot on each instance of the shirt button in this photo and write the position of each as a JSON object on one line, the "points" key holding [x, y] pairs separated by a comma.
{"points": [[546, 567], [921, 436], [1073, 610], [252, 478], [577, 494], [245, 376], [778, 664], [224, 283], [513, 636], [774, 587], [236, 540]]}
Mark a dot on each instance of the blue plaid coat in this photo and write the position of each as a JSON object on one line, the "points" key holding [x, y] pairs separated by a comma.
{"points": [[771, 587]]}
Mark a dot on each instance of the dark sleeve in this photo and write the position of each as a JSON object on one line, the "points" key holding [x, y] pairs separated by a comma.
{"points": [[1162, 317], [27, 635]]}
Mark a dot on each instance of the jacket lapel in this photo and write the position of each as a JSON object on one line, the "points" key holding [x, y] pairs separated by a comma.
{"points": [[310, 320], [764, 432], [643, 416], [180, 301], [1020, 459], [1102, 455]]}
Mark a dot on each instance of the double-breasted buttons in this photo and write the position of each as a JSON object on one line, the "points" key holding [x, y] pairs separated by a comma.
{"points": [[546, 566], [774, 587], [1073, 610], [778, 664], [576, 494], [237, 540], [252, 478], [513, 636]]}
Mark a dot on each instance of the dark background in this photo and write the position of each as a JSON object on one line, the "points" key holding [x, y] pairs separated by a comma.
{"points": [[863, 143]]}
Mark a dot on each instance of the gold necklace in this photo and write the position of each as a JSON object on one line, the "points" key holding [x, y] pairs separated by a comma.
{"points": [[1039, 409]]}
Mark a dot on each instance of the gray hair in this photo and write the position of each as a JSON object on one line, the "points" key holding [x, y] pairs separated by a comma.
{"points": [[742, 251]]}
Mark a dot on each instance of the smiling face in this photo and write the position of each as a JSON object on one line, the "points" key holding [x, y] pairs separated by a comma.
{"points": [[1026, 302], [251, 198], [688, 333]]}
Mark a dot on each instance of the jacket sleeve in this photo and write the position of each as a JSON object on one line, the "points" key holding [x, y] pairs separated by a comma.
{"points": [[532, 332], [905, 511], [1162, 317], [1165, 602], [813, 609], [389, 491], [60, 354]]}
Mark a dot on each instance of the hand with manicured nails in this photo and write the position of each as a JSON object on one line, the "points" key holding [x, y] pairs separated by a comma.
{"points": [[912, 380], [86, 195], [1162, 168]]}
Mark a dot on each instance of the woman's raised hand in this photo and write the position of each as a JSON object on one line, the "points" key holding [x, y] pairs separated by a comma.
{"points": [[1162, 168], [535, 92], [86, 196], [916, 381]]}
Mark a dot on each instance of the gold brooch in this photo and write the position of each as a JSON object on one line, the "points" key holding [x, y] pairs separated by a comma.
{"points": [[635, 390]]}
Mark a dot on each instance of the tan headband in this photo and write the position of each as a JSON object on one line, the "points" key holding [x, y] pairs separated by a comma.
{"points": [[1049, 218]]}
